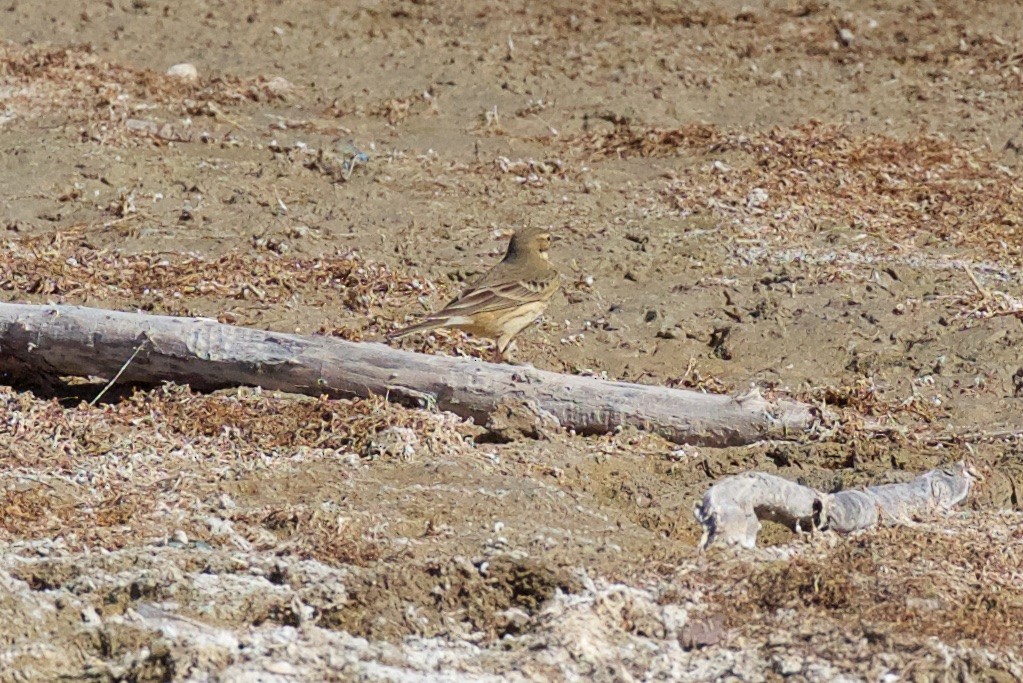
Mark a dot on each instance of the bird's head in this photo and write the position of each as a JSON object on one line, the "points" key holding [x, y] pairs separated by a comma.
{"points": [[530, 241]]}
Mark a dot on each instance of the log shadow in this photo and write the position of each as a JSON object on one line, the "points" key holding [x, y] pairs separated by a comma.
{"points": [[71, 391]]}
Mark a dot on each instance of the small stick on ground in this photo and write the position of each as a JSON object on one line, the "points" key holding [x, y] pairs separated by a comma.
{"points": [[118, 375], [983, 291]]}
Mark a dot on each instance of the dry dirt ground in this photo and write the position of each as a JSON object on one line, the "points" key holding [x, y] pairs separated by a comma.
{"points": [[818, 197]]}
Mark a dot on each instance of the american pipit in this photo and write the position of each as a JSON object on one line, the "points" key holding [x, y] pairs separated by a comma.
{"points": [[506, 299]]}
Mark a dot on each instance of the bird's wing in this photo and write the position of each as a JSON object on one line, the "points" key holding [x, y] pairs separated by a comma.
{"points": [[507, 293], [485, 297], [506, 286]]}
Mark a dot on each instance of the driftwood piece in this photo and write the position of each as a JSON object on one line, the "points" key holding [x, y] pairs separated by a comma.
{"points": [[73, 340], [731, 509]]}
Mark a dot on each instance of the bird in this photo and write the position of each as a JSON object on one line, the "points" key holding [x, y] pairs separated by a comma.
{"points": [[506, 299]]}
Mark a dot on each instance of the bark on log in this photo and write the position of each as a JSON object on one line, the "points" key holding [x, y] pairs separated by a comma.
{"points": [[731, 509], [74, 340]]}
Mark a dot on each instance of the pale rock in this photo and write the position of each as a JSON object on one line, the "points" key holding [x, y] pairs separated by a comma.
{"points": [[184, 71]]}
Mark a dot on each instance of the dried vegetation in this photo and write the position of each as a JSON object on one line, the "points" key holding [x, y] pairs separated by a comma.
{"points": [[790, 184]]}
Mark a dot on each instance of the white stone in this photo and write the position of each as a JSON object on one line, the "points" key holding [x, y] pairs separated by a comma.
{"points": [[184, 71]]}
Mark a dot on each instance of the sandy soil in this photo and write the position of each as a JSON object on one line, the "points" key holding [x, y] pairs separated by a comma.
{"points": [[819, 198]]}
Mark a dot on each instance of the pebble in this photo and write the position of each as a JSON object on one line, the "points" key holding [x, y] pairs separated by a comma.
{"points": [[279, 87], [757, 197], [184, 71], [515, 616], [91, 617], [280, 668], [789, 664]]}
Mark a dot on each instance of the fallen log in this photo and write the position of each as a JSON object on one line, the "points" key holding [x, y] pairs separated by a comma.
{"points": [[731, 509], [74, 340]]}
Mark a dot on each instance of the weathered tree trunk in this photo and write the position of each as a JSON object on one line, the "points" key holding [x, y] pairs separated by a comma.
{"points": [[731, 509], [73, 340]]}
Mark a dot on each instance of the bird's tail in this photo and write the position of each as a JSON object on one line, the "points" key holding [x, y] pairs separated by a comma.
{"points": [[422, 326]]}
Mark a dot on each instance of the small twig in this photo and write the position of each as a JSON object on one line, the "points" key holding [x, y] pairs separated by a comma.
{"points": [[358, 157], [973, 437], [37, 480], [999, 314], [984, 293], [280, 203], [212, 110], [118, 375]]}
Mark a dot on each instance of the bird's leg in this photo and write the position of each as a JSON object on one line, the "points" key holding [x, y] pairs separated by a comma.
{"points": [[509, 352], [500, 346]]}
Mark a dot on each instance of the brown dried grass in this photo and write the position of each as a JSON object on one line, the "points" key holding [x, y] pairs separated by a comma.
{"points": [[89, 85], [141, 468], [64, 268], [818, 178], [956, 580]]}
